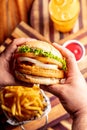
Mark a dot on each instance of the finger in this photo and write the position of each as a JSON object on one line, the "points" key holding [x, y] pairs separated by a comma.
{"points": [[65, 52], [70, 58], [13, 46], [56, 89]]}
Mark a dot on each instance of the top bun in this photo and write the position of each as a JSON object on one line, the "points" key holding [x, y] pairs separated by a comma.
{"points": [[44, 46]]}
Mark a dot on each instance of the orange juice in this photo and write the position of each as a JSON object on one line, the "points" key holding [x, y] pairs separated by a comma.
{"points": [[64, 13]]}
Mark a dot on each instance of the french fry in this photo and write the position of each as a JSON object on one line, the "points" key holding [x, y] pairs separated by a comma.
{"points": [[23, 103], [7, 95], [18, 106], [13, 109], [2, 98], [6, 108], [33, 108]]}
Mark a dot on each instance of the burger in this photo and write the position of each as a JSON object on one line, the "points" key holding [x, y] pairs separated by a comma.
{"points": [[38, 62]]}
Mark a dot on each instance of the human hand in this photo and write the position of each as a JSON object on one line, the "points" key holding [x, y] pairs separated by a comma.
{"points": [[6, 77], [73, 93]]}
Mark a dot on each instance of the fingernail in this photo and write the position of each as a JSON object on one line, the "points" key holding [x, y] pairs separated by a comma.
{"points": [[54, 43]]}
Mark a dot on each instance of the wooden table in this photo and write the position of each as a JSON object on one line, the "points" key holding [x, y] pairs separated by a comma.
{"points": [[57, 112]]}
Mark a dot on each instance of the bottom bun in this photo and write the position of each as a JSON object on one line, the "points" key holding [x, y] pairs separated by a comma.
{"points": [[36, 79]]}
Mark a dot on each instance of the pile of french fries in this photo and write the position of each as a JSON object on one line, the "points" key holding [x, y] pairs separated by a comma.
{"points": [[22, 103]]}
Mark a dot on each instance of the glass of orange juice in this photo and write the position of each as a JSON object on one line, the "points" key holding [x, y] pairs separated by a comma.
{"points": [[64, 13]]}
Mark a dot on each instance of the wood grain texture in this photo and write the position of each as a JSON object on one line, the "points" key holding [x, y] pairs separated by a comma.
{"points": [[3, 25], [11, 13]]}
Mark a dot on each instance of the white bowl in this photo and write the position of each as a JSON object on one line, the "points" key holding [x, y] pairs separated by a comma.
{"points": [[75, 51]]}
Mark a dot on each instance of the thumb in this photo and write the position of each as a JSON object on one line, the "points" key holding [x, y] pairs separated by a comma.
{"points": [[13, 46], [56, 89]]}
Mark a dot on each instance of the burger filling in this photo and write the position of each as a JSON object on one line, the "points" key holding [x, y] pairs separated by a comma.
{"points": [[38, 56]]}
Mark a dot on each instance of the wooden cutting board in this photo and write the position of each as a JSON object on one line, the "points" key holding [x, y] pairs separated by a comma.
{"points": [[57, 112]]}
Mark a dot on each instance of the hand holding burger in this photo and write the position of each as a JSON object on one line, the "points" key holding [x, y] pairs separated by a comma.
{"points": [[38, 62], [73, 93], [6, 76]]}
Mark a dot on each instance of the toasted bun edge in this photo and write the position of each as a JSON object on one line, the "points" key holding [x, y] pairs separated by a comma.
{"points": [[44, 46]]}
